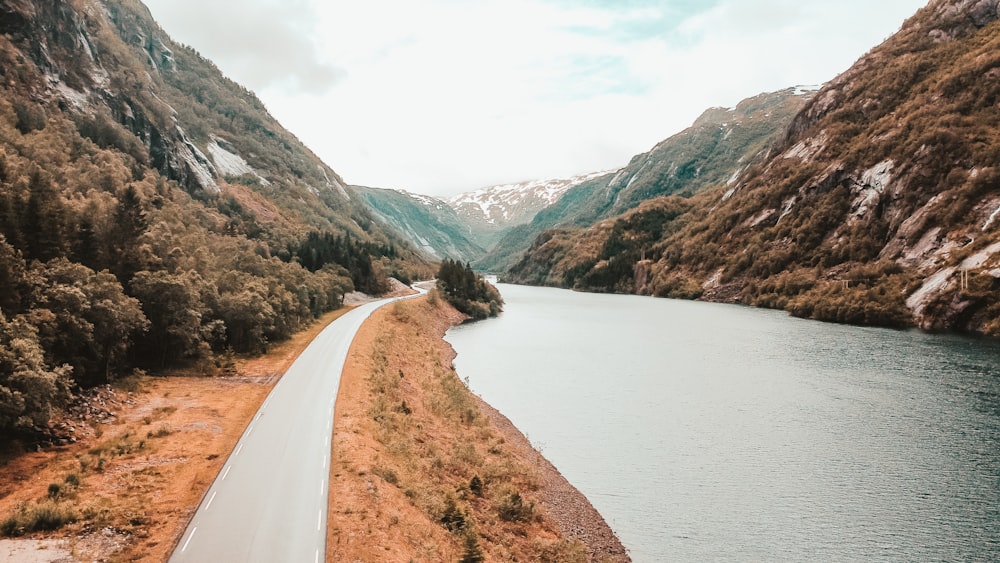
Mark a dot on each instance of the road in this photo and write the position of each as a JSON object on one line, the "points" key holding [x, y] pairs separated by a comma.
{"points": [[269, 502]]}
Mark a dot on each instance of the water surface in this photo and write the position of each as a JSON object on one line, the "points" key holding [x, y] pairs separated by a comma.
{"points": [[717, 432]]}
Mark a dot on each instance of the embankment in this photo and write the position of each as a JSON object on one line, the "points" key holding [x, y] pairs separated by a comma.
{"points": [[424, 470]]}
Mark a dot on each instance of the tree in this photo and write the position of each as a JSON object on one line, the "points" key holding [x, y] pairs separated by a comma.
{"points": [[29, 388], [173, 304], [13, 285], [468, 292], [129, 224], [44, 223], [243, 306], [84, 318]]}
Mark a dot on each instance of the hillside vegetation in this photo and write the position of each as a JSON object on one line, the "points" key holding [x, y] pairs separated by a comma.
{"points": [[878, 205], [715, 150], [429, 223], [151, 211]]}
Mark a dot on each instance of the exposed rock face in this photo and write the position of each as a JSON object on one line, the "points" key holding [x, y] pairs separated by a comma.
{"points": [[887, 182], [74, 62]]}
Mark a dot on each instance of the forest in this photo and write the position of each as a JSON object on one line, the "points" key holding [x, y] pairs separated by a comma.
{"points": [[117, 252]]}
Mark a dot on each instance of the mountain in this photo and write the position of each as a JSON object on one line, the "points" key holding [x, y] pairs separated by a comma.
{"points": [[877, 206], [719, 146], [491, 211], [152, 211], [429, 223]]}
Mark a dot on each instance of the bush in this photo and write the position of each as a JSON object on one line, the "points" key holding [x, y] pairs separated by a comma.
{"points": [[452, 517], [512, 508], [44, 516], [476, 486]]}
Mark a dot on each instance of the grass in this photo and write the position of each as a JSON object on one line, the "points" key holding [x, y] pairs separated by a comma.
{"points": [[43, 515], [440, 450], [61, 504]]}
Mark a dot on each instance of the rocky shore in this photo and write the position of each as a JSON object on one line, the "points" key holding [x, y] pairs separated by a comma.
{"points": [[572, 512]]}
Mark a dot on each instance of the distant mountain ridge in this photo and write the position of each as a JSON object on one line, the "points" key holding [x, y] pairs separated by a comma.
{"points": [[718, 147], [491, 210], [877, 206], [463, 227]]}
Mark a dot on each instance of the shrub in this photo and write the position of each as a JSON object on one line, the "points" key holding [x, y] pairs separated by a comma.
{"points": [[387, 474], [476, 486], [44, 516], [512, 508], [452, 516]]}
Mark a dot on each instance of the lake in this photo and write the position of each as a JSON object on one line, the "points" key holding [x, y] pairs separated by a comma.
{"points": [[719, 432]]}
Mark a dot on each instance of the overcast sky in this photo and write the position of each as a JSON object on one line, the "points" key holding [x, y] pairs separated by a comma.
{"points": [[444, 96]]}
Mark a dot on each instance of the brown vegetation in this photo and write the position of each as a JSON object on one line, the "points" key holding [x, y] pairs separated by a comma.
{"points": [[887, 177], [136, 458], [422, 470]]}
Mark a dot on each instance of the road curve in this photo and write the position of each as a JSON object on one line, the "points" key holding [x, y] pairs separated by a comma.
{"points": [[269, 502]]}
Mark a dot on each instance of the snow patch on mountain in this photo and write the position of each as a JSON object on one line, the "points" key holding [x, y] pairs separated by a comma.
{"points": [[515, 203]]}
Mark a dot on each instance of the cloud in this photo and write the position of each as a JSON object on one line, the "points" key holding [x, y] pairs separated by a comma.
{"points": [[262, 43], [441, 96]]}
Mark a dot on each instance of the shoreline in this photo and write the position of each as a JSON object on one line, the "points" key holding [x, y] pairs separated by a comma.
{"points": [[572, 511], [398, 499], [180, 428]]}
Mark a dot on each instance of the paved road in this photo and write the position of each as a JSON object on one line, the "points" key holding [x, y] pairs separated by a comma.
{"points": [[269, 502]]}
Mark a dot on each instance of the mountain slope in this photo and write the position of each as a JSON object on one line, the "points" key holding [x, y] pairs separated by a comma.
{"points": [[716, 149], [489, 212], [151, 211], [429, 223], [884, 190]]}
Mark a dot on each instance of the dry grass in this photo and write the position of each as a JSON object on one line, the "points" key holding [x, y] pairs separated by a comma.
{"points": [[409, 442], [126, 490], [134, 483]]}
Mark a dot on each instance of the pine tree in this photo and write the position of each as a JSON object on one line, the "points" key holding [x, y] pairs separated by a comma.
{"points": [[130, 224]]}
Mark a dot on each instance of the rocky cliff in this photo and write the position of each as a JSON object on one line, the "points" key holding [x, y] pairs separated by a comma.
{"points": [[878, 205]]}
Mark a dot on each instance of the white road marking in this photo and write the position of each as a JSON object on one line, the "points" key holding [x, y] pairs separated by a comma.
{"points": [[249, 430], [209, 505], [317, 555], [322, 483], [319, 519], [228, 467], [239, 449], [193, 530]]}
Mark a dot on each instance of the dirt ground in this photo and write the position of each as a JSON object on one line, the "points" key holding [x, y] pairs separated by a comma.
{"points": [[138, 460]]}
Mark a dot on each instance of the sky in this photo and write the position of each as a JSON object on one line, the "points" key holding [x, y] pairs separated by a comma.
{"points": [[446, 96]]}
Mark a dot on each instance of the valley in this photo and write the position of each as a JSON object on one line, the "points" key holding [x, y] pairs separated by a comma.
{"points": [[168, 248]]}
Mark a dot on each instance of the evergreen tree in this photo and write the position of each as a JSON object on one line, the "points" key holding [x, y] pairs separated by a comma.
{"points": [[44, 221], [129, 224], [468, 292]]}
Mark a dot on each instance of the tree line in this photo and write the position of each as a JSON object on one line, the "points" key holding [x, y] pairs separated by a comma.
{"points": [[105, 266]]}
